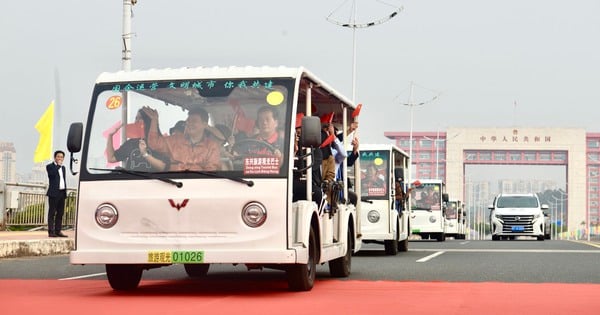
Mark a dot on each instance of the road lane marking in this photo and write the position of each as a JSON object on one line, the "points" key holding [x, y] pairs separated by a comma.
{"points": [[85, 276], [465, 242], [424, 259], [594, 244]]}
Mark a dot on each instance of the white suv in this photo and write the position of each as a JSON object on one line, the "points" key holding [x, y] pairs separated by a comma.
{"points": [[514, 215]]}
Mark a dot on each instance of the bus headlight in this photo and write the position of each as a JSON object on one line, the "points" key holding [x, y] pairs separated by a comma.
{"points": [[373, 216], [432, 219], [254, 214], [106, 215]]}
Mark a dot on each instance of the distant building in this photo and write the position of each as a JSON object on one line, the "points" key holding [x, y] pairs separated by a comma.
{"points": [[8, 162], [38, 174], [445, 155]]}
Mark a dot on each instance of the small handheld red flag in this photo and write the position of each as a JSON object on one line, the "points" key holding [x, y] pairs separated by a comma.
{"points": [[356, 111], [327, 141], [135, 130]]}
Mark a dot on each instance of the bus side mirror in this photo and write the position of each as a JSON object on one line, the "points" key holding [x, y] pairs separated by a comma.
{"points": [[311, 132], [445, 197], [74, 137], [74, 143]]}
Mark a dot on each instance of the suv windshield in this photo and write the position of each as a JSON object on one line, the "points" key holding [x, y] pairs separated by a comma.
{"points": [[517, 202], [216, 125]]}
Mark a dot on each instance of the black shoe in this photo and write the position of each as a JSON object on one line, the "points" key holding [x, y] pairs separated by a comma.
{"points": [[52, 235], [60, 234]]}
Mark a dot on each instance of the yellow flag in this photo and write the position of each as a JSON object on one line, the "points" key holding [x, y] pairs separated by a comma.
{"points": [[45, 126]]}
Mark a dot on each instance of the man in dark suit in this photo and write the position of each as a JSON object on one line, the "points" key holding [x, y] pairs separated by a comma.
{"points": [[57, 193]]}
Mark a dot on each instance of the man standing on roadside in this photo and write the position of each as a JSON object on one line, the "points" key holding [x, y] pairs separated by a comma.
{"points": [[57, 193]]}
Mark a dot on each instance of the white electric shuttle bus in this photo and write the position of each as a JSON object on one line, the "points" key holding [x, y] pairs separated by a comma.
{"points": [[381, 219], [427, 208], [455, 220], [224, 191]]}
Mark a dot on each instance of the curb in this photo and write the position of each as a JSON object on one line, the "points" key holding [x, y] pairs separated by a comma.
{"points": [[21, 248]]}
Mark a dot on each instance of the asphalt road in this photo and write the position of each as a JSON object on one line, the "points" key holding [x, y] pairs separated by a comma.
{"points": [[524, 261]]}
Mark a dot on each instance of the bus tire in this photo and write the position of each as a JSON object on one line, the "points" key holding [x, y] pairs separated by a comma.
{"points": [[301, 277], [123, 277], [341, 267], [441, 237], [196, 270], [391, 246]]}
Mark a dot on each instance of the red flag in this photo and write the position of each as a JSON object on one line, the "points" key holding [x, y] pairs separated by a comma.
{"points": [[327, 141], [299, 117], [327, 118], [240, 121], [356, 112], [135, 130], [244, 124]]}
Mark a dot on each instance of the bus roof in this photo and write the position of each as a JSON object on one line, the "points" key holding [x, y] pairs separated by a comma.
{"points": [[325, 97]]}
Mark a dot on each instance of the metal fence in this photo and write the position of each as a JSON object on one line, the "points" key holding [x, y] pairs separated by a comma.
{"points": [[27, 205]]}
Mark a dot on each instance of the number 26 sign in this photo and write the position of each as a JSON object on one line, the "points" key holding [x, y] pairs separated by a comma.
{"points": [[114, 102]]}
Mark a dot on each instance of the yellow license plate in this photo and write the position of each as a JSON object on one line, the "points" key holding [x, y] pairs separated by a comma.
{"points": [[176, 257]]}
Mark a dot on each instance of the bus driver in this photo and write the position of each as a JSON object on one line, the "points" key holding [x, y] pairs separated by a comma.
{"points": [[195, 149]]}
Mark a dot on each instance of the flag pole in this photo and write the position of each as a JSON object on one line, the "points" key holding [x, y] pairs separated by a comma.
{"points": [[56, 132]]}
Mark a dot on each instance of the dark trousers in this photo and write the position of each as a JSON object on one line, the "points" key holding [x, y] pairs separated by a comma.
{"points": [[56, 209]]}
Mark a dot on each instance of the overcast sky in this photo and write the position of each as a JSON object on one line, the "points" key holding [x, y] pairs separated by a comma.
{"points": [[482, 56]]}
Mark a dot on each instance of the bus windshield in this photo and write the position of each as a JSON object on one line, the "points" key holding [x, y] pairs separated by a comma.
{"points": [[374, 173], [426, 197], [215, 125], [452, 211]]}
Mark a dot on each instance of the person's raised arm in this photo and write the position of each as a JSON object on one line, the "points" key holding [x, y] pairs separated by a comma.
{"points": [[353, 156], [155, 140]]}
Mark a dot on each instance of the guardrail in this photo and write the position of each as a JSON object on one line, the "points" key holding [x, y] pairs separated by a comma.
{"points": [[27, 205]]}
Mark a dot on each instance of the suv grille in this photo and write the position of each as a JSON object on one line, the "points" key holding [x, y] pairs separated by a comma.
{"points": [[511, 222]]}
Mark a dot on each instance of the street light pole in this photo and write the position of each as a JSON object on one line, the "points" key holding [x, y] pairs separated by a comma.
{"points": [[588, 216], [126, 56], [554, 214], [410, 134], [126, 36], [354, 25], [437, 154]]}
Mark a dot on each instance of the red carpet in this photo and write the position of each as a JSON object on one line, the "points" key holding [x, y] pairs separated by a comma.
{"points": [[91, 297]]}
